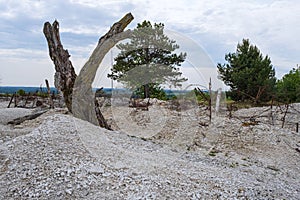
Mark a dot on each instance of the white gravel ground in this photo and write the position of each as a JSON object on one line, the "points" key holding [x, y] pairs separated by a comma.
{"points": [[66, 158]]}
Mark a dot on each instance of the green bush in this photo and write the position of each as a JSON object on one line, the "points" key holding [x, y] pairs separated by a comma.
{"points": [[21, 92], [288, 88], [155, 91], [42, 94]]}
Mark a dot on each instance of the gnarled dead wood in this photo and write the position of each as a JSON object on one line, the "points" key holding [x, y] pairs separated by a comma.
{"points": [[65, 76], [83, 104], [77, 91]]}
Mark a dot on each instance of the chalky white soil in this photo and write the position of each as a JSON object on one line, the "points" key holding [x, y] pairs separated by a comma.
{"points": [[57, 156]]}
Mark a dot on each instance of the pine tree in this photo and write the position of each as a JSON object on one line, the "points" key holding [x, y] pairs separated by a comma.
{"points": [[249, 75], [288, 88], [147, 60]]}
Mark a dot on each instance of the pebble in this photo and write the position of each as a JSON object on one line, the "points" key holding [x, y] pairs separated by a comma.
{"points": [[69, 191], [19, 126], [96, 170]]}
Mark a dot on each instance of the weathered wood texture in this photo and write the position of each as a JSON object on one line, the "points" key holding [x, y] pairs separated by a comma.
{"points": [[20, 120], [49, 94], [83, 97], [65, 76], [11, 99]]}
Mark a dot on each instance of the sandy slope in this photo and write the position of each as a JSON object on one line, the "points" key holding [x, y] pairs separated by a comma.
{"points": [[64, 157]]}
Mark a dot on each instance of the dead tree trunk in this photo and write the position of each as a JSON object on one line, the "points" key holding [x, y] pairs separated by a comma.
{"points": [[65, 76], [11, 99], [49, 94], [83, 98], [101, 120], [80, 92], [284, 116]]}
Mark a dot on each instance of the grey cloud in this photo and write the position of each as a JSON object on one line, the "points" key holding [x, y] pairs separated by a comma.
{"points": [[25, 31], [217, 26]]}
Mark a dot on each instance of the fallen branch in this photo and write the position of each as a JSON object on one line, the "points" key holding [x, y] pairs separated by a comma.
{"points": [[20, 120]]}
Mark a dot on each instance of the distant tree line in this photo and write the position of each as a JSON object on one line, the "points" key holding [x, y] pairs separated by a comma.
{"points": [[251, 77]]}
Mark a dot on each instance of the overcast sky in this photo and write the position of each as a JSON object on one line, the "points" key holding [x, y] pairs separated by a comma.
{"points": [[213, 26]]}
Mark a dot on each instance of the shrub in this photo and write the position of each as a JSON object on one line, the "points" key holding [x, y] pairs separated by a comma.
{"points": [[21, 92]]}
